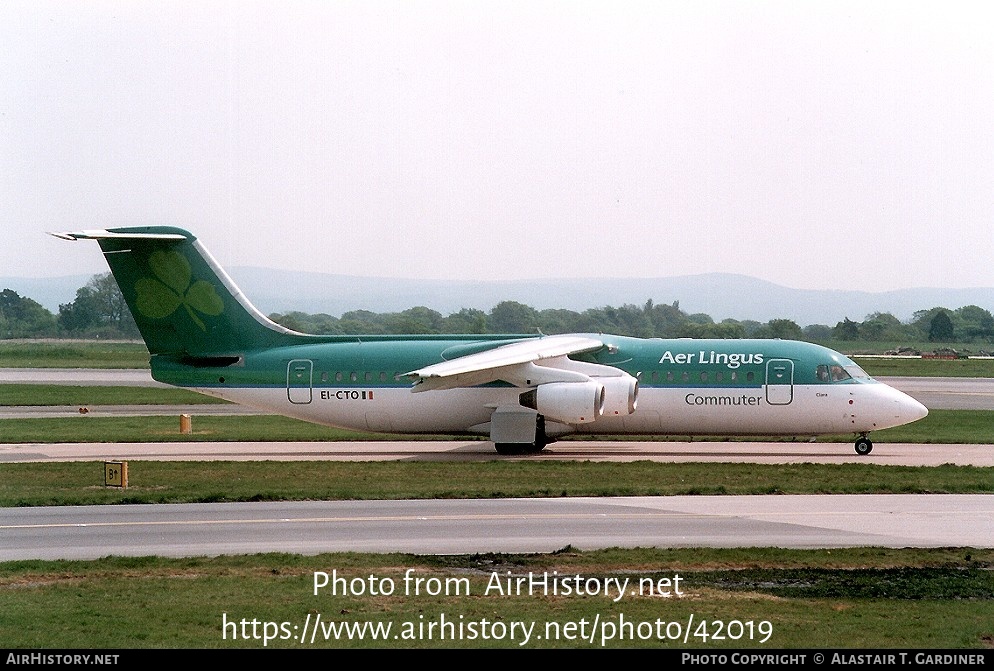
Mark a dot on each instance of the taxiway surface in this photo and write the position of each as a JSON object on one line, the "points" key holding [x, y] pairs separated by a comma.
{"points": [[501, 525]]}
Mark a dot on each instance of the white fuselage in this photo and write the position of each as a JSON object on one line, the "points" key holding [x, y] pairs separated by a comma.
{"points": [[683, 410]]}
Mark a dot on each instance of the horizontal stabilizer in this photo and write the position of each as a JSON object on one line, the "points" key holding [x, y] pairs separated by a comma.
{"points": [[98, 234]]}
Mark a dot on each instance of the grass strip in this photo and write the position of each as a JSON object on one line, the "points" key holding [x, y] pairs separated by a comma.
{"points": [[81, 483], [846, 599], [72, 354], [92, 395]]}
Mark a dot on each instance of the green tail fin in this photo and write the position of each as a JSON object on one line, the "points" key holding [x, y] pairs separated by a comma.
{"points": [[181, 299]]}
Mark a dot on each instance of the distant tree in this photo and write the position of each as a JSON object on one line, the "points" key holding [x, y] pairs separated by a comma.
{"points": [[629, 320], [941, 328], [666, 320], [80, 315], [730, 329], [513, 317], [357, 322], [921, 322], [881, 326], [323, 324], [649, 320], [784, 329], [976, 323], [590, 321], [466, 320], [99, 308], [111, 301], [817, 332], [726, 330], [847, 330], [750, 326], [414, 320], [24, 318], [553, 321], [297, 321]]}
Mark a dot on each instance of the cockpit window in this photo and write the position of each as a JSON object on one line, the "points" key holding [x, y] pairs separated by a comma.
{"points": [[838, 373], [855, 371]]}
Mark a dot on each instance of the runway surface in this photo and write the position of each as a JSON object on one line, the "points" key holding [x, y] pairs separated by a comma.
{"points": [[497, 525]]}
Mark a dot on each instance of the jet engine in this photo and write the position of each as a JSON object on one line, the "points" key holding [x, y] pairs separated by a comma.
{"points": [[620, 395], [567, 402]]}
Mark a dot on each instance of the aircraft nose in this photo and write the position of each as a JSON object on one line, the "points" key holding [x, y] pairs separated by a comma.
{"points": [[912, 409], [908, 408], [890, 407]]}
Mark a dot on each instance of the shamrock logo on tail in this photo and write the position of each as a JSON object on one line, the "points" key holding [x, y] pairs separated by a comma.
{"points": [[161, 297]]}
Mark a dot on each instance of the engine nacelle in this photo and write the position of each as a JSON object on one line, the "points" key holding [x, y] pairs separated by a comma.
{"points": [[567, 402], [620, 395]]}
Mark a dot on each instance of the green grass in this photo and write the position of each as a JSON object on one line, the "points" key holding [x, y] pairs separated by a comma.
{"points": [[81, 483], [92, 395], [860, 598], [90, 429], [72, 354], [927, 367]]}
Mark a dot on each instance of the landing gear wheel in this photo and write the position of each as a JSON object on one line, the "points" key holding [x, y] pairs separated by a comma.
{"points": [[510, 449], [863, 446]]}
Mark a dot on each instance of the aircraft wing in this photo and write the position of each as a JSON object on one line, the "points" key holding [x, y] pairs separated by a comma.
{"points": [[523, 363]]}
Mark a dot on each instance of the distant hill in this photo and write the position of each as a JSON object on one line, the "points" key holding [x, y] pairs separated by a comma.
{"points": [[720, 295]]}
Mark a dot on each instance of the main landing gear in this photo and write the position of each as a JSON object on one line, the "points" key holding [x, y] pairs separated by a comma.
{"points": [[516, 430], [863, 445]]}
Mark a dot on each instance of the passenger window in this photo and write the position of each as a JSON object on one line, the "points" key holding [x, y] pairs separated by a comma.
{"points": [[704, 376], [750, 376], [338, 376]]}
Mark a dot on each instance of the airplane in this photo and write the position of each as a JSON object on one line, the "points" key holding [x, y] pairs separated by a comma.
{"points": [[523, 391]]}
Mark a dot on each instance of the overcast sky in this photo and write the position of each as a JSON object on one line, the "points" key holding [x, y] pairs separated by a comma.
{"points": [[813, 144]]}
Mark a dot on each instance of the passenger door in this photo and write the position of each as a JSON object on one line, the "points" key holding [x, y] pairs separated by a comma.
{"points": [[779, 381], [299, 373]]}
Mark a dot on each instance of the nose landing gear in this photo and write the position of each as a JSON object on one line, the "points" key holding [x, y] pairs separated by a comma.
{"points": [[863, 445]]}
